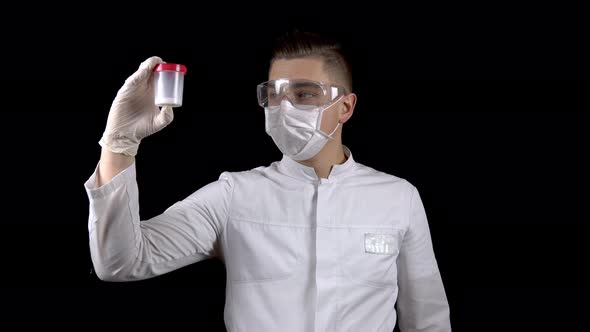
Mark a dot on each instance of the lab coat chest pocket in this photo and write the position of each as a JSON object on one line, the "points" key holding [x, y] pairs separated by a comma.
{"points": [[369, 255], [261, 252]]}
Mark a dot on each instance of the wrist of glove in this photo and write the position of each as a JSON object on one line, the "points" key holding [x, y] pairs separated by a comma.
{"points": [[117, 143]]}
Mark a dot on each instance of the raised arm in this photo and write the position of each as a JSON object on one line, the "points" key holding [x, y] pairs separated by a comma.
{"points": [[122, 246]]}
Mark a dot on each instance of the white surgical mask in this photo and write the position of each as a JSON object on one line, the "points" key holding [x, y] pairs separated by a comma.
{"points": [[295, 131]]}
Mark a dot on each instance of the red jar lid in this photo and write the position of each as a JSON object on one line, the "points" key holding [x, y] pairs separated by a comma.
{"points": [[171, 67]]}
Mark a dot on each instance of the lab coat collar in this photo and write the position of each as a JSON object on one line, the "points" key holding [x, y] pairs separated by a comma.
{"points": [[296, 170]]}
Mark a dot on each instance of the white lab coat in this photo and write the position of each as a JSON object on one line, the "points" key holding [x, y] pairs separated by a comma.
{"points": [[301, 254]]}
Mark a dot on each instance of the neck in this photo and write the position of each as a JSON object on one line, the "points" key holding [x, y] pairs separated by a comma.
{"points": [[332, 154]]}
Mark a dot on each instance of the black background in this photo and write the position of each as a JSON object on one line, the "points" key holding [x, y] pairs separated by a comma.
{"points": [[483, 109]]}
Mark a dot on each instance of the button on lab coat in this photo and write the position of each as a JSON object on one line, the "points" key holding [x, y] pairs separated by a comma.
{"points": [[301, 253]]}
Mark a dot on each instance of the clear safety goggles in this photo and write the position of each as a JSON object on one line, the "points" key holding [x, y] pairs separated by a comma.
{"points": [[303, 94]]}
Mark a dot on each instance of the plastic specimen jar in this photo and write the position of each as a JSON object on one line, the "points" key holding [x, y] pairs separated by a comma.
{"points": [[169, 84]]}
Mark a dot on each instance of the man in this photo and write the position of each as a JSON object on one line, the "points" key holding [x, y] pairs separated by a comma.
{"points": [[314, 242]]}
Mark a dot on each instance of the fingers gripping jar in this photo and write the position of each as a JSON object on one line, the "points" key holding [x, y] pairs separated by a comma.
{"points": [[169, 84]]}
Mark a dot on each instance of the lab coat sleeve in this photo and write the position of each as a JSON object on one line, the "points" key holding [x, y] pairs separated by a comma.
{"points": [[125, 248], [422, 303]]}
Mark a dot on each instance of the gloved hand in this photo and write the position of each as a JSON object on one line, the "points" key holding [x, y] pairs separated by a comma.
{"points": [[133, 114]]}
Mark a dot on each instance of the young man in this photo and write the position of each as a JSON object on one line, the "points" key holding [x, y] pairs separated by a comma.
{"points": [[314, 242]]}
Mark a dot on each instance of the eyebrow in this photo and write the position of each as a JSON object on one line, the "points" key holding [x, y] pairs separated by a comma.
{"points": [[304, 85], [295, 85]]}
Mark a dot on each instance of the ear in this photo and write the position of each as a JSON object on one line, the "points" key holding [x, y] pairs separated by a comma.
{"points": [[348, 103]]}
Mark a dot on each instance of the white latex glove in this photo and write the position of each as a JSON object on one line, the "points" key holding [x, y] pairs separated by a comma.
{"points": [[133, 115]]}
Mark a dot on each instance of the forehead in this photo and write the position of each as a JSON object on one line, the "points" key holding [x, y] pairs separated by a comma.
{"points": [[302, 68]]}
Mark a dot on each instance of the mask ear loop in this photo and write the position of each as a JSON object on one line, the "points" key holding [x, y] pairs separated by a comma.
{"points": [[319, 123], [333, 131]]}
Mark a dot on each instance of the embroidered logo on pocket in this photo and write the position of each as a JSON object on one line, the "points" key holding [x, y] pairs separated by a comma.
{"points": [[383, 244]]}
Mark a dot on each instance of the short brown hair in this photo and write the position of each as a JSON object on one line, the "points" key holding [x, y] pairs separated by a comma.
{"points": [[298, 44]]}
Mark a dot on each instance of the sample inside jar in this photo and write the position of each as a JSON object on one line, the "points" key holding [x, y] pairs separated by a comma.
{"points": [[169, 84]]}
